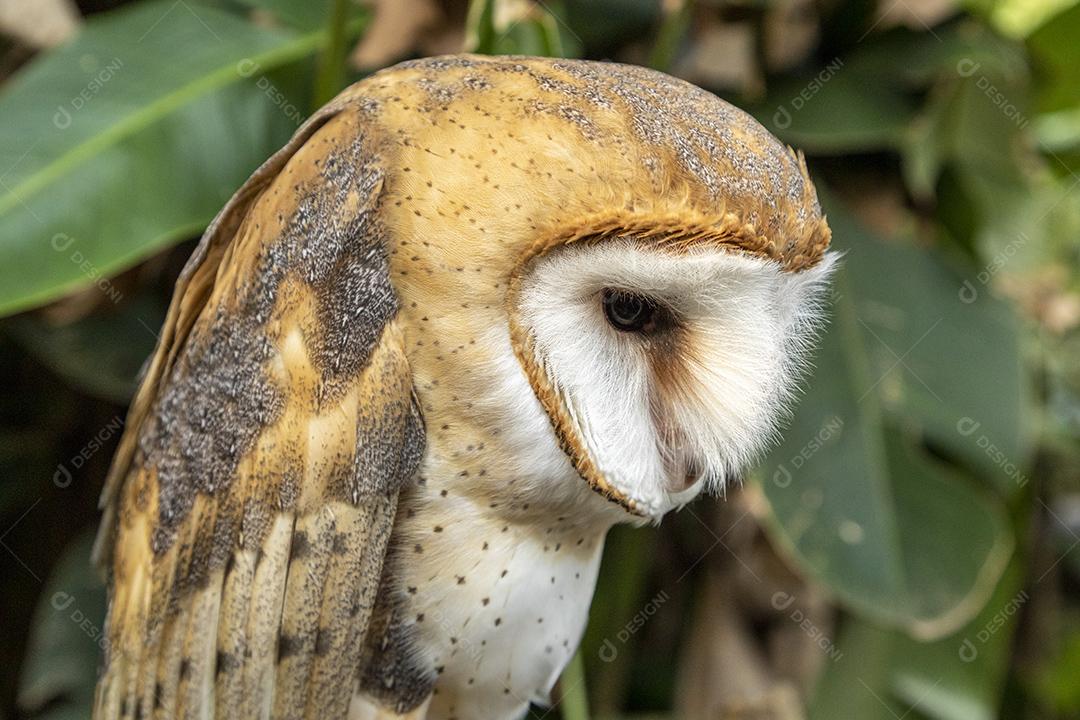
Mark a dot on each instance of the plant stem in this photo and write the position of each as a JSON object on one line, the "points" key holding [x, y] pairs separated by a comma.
{"points": [[330, 74], [574, 701], [672, 29]]}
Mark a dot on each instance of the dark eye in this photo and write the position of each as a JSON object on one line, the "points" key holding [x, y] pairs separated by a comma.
{"points": [[629, 312]]}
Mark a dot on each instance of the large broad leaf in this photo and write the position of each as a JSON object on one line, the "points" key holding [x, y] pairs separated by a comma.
{"points": [[944, 353], [854, 496], [131, 137], [883, 674], [66, 641]]}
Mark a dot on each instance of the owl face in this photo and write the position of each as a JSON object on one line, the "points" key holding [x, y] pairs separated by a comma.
{"points": [[608, 277], [669, 368]]}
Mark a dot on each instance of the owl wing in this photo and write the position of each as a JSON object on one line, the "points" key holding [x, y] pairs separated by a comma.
{"points": [[250, 503]]}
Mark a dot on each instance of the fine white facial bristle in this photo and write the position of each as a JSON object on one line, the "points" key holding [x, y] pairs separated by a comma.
{"points": [[704, 400]]}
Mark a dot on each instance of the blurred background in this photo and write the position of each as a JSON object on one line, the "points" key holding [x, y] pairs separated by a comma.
{"points": [[912, 547]]}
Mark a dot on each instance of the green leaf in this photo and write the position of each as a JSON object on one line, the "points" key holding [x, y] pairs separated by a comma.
{"points": [[836, 111], [1017, 18], [883, 674], [972, 120], [131, 137], [480, 31], [497, 27], [927, 332], [66, 640], [853, 686], [307, 15], [916, 59], [1053, 682], [1057, 57], [976, 125], [854, 497]]}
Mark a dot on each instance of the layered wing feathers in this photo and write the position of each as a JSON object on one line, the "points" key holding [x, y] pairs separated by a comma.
{"points": [[252, 499]]}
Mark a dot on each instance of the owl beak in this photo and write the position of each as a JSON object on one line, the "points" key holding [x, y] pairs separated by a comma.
{"points": [[682, 483], [690, 475]]}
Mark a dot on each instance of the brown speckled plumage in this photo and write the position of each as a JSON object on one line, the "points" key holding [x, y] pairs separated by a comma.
{"points": [[319, 357]]}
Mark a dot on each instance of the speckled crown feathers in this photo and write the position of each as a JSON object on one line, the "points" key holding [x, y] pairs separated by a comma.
{"points": [[669, 151]]}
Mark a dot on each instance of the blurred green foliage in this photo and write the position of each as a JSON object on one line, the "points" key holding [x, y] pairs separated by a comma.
{"points": [[927, 483]]}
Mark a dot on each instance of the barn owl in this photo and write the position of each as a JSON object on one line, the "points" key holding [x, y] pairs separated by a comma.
{"points": [[477, 311]]}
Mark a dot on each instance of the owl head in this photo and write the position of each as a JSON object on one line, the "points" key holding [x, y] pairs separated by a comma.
{"points": [[608, 278]]}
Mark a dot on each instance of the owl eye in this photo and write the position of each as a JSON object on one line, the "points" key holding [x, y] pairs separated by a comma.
{"points": [[629, 312]]}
